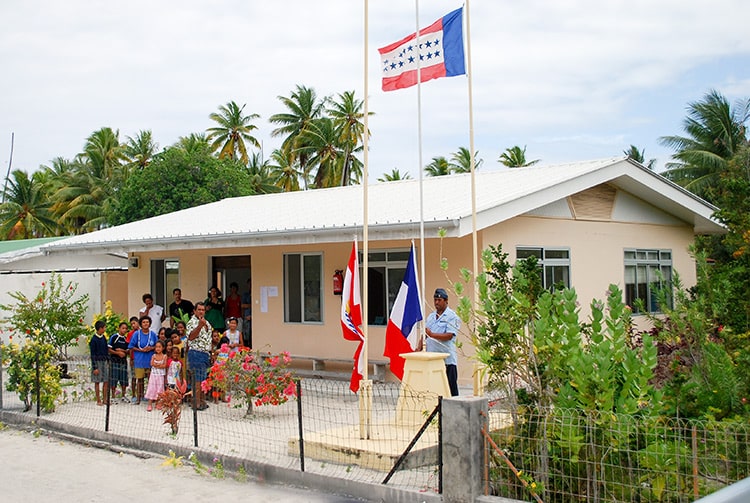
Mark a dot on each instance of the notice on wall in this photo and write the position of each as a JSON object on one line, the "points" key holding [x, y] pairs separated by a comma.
{"points": [[265, 293]]}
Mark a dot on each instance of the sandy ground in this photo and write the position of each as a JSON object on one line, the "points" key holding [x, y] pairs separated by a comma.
{"points": [[46, 468]]}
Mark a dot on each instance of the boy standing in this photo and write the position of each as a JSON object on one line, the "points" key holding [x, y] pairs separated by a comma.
{"points": [[118, 354], [99, 361]]}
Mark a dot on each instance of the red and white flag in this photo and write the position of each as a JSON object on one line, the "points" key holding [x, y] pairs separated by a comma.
{"points": [[351, 315], [402, 335], [439, 52]]}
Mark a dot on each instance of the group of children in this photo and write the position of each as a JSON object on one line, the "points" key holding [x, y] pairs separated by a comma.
{"points": [[157, 358]]}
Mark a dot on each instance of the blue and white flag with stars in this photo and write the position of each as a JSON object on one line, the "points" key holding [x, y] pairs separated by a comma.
{"points": [[439, 50]]}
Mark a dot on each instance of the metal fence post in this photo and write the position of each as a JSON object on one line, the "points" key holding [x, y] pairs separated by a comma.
{"points": [[299, 423], [195, 412], [38, 387]]}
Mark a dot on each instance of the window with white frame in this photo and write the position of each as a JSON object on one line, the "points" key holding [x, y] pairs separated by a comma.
{"points": [[165, 277], [303, 288], [554, 264], [386, 269], [646, 271]]}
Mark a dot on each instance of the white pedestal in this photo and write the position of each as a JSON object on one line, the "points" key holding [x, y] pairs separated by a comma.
{"points": [[424, 380]]}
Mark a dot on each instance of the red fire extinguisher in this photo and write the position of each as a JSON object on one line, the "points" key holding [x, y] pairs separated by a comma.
{"points": [[338, 282]]}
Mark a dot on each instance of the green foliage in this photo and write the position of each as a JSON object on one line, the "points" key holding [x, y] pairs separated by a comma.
{"points": [[22, 364], [178, 179], [109, 317], [54, 316]]}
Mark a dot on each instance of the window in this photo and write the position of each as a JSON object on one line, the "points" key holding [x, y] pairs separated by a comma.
{"points": [[386, 269], [303, 287], [165, 277], [645, 272], [554, 264]]}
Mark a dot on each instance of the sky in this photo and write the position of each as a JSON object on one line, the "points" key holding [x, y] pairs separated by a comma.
{"points": [[570, 80]]}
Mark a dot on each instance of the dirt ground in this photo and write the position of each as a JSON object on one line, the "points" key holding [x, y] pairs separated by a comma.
{"points": [[45, 468]]}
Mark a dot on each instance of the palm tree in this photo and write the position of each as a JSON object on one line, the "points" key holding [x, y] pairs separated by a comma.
{"points": [[140, 151], [439, 166], [261, 179], [461, 161], [714, 133], [284, 170], [319, 144], [639, 156], [347, 117], [515, 157], [394, 176], [26, 211], [232, 132], [194, 143], [303, 107]]}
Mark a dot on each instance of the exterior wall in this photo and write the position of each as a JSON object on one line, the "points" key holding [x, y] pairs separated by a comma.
{"points": [[596, 261]]}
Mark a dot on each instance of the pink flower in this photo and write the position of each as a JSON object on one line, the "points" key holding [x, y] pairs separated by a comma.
{"points": [[291, 389]]}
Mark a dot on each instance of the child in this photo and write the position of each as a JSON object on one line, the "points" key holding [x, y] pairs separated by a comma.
{"points": [[233, 334], [99, 361], [174, 373], [158, 371]]}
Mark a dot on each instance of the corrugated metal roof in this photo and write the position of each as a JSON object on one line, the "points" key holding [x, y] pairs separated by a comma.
{"points": [[22, 244], [337, 213]]}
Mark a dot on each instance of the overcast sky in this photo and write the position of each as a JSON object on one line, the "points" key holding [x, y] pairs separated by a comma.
{"points": [[571, 80]]}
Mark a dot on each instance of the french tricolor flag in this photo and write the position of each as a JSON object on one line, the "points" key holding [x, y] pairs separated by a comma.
{"points": [[401, 335], [439, 51]]}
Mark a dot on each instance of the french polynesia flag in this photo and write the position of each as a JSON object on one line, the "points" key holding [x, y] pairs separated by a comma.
{"points": [[401, 335], [440, 51]]}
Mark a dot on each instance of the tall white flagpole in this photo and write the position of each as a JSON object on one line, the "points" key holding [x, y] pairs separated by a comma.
{"points": [[365, 395], [420, 170], [474, 244]]}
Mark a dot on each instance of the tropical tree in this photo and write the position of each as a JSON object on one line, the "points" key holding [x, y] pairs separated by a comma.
{"points": [[140, 150], [261, 177], [394, 176], [284, 170], [515, 157], [303, 106], [714, 133], [639, 155], [194, 143], [178, 179], [461, 161], [319, 144], [232, 131], [347, 114], [439, 166], [26, 210]]}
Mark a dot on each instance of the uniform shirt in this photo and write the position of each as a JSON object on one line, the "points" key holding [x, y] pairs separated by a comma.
{"points": [[118, 341], [99, 352], [448, 322], [155, 314], [203, 341]]}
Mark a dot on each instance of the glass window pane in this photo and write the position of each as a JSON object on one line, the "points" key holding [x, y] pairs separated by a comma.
{"points": [[522, 253], [293, 290], [376, 256], [629, 254], [172, 273], [312, 285], [556, 254], [398, 256]]}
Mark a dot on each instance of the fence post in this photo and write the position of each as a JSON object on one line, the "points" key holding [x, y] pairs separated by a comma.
{"points": [[463, 447], [299, 423], [1, 376], [38, 386]]}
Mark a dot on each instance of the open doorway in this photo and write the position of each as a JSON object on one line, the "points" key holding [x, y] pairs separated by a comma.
{"points": [[227, 271]]}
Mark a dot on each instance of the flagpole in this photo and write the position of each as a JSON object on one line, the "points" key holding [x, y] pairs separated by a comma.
{"points": [[365, 399], [474, 245], [421, 174]]}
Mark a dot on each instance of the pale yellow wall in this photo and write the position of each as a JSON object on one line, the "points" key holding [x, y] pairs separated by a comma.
{"points": [[596, 261]]}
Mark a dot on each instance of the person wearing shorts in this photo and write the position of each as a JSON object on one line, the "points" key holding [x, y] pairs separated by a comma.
{"points": [[118, 355], [199, 350], [99, 362], [142, 345]]}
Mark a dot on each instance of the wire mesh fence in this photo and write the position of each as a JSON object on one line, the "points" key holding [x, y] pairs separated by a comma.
{"points": [[321, 431], [568, 455]]}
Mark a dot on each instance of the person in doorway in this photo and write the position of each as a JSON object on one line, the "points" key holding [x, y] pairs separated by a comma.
{"points": [[233, 307], [179, 308], [153, 311], [441, 328], [142, 345], [215, 309], [199, 351], [100, 362]]}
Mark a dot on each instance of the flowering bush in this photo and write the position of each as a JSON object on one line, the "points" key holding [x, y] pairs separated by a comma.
{"points": [[109, 317], [54, 315], [251, 378], [22, 361]]}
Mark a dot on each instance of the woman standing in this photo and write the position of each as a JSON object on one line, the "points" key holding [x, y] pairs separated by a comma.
{"points": [[215, 309]]}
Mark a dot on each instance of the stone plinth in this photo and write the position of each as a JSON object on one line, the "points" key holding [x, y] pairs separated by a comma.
{"points": [[424, 380]]}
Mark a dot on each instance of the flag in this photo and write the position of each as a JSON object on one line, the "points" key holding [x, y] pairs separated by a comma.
{"points": [[440, 50], [351, 315], [401, 335]]}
